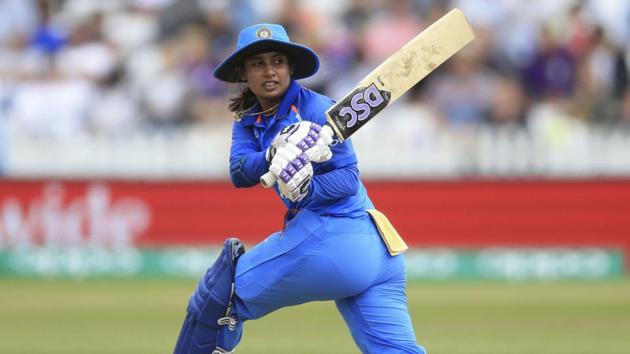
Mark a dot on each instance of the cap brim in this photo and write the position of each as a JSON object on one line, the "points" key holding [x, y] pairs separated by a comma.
{"points": [[304, 59]]}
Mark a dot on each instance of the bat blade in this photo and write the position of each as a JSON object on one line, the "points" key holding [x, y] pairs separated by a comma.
{"points": [[398, 73]]}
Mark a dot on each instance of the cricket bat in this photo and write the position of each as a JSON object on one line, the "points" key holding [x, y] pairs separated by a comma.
{"points": [[395, 76]]}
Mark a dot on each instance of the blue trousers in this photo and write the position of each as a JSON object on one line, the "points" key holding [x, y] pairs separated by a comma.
{"points": [[320, 258]]}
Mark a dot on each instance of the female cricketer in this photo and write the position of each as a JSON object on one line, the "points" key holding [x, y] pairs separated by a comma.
{"points": [[333, 246]]}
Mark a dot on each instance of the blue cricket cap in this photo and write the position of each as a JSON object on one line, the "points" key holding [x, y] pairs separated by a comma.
{"points": [[262, 38]]}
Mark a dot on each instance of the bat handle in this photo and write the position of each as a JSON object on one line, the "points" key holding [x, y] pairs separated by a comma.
{"points": [[268, 180]]}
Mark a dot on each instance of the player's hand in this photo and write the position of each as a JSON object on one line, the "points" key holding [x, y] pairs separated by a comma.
{"points": [[293, 171], [308, 136], [320, 152]]}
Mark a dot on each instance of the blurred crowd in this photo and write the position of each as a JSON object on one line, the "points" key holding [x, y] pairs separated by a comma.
{"points": [[113, 68]]}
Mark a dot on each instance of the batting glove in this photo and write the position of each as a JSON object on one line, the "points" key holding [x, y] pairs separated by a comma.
{"points": [[308, 136], [293, 171], [320, 151]]}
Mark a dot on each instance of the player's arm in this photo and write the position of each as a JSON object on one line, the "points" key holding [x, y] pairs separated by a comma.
{"points": [[336, 184], [336, 178], [339, 176], [247, 162]]}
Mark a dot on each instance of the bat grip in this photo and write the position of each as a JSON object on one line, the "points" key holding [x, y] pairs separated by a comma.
{"points": [[268, 180]]}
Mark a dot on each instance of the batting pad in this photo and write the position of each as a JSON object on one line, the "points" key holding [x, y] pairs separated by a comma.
{"points": [[210, 302]]}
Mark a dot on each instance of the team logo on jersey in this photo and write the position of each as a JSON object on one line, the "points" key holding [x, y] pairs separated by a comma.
{"points": [[263, 33]]}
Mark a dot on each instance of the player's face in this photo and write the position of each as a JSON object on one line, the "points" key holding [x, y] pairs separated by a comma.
{"points": [[268, 75]]}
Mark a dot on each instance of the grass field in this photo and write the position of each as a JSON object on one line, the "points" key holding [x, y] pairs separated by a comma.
{"points": [[143, 316]]}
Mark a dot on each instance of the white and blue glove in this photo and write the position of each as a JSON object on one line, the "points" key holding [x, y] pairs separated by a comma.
{"points": [[293, 171], [310, 137]]}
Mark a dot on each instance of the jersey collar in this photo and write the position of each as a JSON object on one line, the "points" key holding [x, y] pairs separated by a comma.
{"points": [[283, 109]]}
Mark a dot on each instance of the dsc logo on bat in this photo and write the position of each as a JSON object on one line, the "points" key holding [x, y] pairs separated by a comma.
{"points": [[358, 107], [361, 105]]}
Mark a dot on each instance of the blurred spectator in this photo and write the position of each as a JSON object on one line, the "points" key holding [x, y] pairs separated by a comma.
{"points": [[198, 62], [622, 71], [593, 98], [357, 14], [19, 61], [389, 29], [164, 95], [175, 14], [464, 92], [131, 28], [484, 13], [220, 29], [551, 71], [52, 106], [623, 110], [55, 100], [48, 37], [614, 17], [116, 112], [112, 68], [600, 61], [87, 56], [578, 30], [508, 104], [18, 18], [242, 12]]}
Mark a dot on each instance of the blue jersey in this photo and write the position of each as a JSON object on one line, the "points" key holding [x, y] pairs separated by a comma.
{"points": [[336, 189]]}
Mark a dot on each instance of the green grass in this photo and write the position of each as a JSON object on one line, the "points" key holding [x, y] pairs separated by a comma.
{"points": [[143, 316]]}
